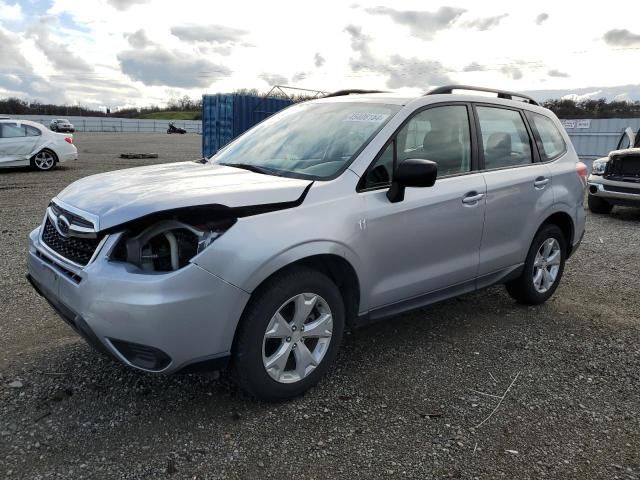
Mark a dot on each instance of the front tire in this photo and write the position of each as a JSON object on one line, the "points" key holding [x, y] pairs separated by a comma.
{"points": [[289, 335], [543, 267], [44, 160], [598, 205]]}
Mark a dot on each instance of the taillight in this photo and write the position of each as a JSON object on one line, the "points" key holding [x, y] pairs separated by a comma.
{"points": [[69, 140], [583, 172]]}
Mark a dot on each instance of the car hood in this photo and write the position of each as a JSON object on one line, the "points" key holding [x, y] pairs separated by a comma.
{"points": [[124, 195]]}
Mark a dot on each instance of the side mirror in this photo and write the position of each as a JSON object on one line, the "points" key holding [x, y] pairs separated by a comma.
{"points": [[412, 172]]}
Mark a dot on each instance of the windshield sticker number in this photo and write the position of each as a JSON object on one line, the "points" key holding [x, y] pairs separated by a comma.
{"points": [[366, 117]]}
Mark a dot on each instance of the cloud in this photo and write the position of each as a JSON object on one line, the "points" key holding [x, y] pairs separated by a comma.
{"points": [[512, 71], [207, 33], [298, 76], [138, 39], [473, 67], [18, 75], [158, 66], [123, 5], [58, 54], [543, 17], [400, 71], [415, 72], [485, 23], [422, 24], [11, 13], [273, 78], [318, 60], [621, 38], [557, 73]]}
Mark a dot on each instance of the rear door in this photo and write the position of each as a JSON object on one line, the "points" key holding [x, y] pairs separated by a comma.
{"points": [[518, 187], [17, 141]]}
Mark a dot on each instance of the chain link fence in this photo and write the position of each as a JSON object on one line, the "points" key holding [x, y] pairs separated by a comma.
{"points": [[112, 124]]}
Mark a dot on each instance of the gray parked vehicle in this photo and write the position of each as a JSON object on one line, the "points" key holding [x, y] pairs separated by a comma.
{"points": [[329, 214], [62, 125]]}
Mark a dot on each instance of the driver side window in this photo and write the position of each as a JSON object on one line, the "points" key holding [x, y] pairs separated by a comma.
{"points": [[440, 134]]}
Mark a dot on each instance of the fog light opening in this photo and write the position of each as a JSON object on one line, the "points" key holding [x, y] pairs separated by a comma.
{"points": [[142, 356]]}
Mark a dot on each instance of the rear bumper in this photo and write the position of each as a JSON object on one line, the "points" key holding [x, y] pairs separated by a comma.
{"points": [[65, 157], [156, 323]]}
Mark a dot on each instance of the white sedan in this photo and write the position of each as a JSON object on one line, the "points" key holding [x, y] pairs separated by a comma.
{"points": [[23, 143]]}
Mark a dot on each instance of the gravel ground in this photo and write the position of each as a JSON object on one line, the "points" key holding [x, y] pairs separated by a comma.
{"points": [[403, 400]]}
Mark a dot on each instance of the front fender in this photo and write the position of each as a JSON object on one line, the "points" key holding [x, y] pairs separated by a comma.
{"points": [[305, 250], [299, 252]]}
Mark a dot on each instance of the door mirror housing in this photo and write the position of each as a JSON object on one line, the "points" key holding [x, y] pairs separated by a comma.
{"points": [[412, 172]]}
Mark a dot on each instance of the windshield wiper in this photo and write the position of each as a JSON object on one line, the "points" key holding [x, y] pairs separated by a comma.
{"points": [[253, 168]]}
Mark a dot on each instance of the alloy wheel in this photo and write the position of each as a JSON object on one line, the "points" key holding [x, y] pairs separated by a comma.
{"points": [[44, 160], [297, 338], [546, 265]]}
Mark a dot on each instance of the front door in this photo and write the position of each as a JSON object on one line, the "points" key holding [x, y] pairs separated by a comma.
{"points": [[431, 239], [15, 142]]}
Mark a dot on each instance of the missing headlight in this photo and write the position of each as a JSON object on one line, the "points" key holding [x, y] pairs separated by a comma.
{"points": [[168, 245]]}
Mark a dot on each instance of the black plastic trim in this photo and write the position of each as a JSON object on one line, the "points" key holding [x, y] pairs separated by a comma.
{"points": [[420, 301]]}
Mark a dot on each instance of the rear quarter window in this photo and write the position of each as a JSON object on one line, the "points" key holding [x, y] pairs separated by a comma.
{"points": [[550, 141]]}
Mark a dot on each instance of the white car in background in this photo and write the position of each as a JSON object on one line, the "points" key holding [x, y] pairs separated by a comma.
{"points": [[24, 143]]}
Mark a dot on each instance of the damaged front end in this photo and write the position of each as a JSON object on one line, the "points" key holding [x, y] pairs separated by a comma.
{"points": [[167, 245]]}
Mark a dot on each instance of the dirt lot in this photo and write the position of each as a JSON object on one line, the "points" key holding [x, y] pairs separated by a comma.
{"points": [[402, 401]]}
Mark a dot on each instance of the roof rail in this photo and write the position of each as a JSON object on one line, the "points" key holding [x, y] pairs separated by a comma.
{"points": [[501, 93], [354, 91]]}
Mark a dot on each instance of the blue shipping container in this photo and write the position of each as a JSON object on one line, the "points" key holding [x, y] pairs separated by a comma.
{"points": [[225, 116]]}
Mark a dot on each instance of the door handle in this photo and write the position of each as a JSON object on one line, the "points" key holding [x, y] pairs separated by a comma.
{"points": [[540, 182], [472, 198]]}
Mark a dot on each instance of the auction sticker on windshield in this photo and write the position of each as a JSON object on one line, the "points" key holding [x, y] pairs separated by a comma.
{"points": [[366, 117]]}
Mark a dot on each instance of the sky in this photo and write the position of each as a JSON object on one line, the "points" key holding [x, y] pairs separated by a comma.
{"points": [[123, 53]]}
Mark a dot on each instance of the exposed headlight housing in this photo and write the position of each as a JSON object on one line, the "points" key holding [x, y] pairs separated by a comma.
{"points": [[167, 245], [599, 167]]}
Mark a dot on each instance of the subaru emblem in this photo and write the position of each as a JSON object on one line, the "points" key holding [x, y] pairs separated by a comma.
{"points": [[63, 225]]}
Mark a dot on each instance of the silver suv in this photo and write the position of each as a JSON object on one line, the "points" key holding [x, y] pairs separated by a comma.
{"points": [[330, 214]]}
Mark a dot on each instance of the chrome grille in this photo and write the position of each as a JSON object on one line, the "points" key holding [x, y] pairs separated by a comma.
{"points": [[77, 250]]}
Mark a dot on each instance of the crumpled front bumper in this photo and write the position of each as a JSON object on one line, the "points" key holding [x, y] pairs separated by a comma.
{"points": [[182, 318]]}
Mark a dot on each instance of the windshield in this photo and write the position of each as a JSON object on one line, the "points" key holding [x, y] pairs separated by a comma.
{"points": [[309, 140]]}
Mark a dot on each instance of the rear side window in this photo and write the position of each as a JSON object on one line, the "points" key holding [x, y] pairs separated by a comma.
{"points": [[32, 131], [551, 142], [505, 138]]}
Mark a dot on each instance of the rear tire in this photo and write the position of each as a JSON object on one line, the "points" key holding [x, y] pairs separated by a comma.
{"points": [[598, 205], [543, 267], [289, 335], [44, 160]]}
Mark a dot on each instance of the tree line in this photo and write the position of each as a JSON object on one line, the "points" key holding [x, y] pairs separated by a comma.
{"points": [[600, 108], [569, 109]]}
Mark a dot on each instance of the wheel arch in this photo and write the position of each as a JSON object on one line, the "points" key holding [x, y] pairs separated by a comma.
{"points": [[565, 223], [44, 148], [339, 269]]}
